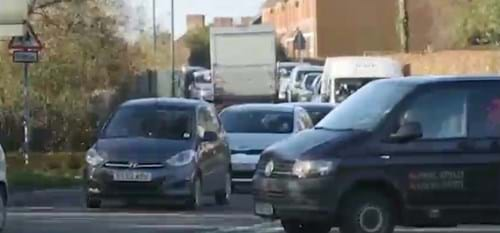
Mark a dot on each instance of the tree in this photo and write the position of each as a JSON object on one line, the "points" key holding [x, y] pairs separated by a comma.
{"points": [[479, 23], [84, 54], [198, 41]]}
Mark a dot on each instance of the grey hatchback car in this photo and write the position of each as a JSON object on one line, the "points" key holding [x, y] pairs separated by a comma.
{"points": [[169, 150]]}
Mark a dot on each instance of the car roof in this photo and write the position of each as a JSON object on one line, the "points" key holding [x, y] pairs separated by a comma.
{"points": [[164, 101], [434, 79], [261, 107], [308, 67]]}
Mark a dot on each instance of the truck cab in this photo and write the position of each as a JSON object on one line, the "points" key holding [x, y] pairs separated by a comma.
{"points": [[343, 76]]}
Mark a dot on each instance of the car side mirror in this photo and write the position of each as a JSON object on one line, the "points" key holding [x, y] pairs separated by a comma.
{"points": [[407, 132], [210, 136]]}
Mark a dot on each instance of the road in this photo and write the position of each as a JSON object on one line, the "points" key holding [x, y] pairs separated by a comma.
{"points": [[61, 211]]}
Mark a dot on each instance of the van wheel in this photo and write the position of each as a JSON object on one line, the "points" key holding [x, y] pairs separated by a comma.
{"points": [[194, 201], [93, 203], [367, 212], [293, 226], [223, 197]]}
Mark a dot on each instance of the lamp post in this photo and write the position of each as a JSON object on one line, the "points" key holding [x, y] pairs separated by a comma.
{"points": [[172, 44], [154, 31]]}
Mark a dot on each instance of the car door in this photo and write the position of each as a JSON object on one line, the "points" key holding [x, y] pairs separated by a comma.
{"points": [[205, 162], [442, 169], [221, 157]]}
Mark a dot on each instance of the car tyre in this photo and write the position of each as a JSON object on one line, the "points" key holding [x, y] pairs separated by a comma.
{"points": [[93, 203], [194, 201], [293, 226], [223, 197], [367, 212]]}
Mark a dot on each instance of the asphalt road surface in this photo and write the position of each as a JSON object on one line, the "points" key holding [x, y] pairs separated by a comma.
{"points": [[61, 211]]}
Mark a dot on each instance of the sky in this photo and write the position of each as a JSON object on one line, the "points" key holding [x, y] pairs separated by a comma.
{"points": [[210, 8]]}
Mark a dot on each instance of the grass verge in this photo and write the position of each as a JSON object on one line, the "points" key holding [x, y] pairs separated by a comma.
{"points": [[44, 171]]}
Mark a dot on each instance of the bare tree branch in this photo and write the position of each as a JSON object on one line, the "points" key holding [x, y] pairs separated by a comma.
{"points": [[38, 4]]}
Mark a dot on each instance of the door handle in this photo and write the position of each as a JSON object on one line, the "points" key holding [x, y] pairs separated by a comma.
{"points": [[385, 157]]}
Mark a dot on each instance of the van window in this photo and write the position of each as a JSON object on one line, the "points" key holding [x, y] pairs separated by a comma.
{"points": [[441, 114], [366, 108], [484, 113]]}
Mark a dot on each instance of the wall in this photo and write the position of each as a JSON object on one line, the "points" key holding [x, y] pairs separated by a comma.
{"points": [[432, 23], [452, 62], [355, 26]]}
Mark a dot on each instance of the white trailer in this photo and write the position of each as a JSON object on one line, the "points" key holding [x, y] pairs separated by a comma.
{"points": [[243, 63]]}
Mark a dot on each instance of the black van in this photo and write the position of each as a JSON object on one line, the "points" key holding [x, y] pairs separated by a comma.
{"points": [[418, 151]]}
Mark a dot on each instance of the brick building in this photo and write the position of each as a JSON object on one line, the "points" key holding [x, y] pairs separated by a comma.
{"points": [[355, 27]]}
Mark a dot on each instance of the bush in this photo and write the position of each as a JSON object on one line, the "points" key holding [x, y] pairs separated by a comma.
{"points": [[75, 162]]}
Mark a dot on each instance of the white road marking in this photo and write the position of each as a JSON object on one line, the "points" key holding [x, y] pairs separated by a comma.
{"points": [[164, 226], [254, 228], [459, 229], [112, 214]]}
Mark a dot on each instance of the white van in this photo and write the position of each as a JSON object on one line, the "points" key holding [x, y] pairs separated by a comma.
{"points": [[342, 76]]}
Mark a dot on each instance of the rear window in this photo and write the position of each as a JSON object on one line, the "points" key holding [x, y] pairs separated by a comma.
{"points": [[257, 122]]}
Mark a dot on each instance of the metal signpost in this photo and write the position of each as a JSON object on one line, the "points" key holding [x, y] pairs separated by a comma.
{"points": [[25, 51]]}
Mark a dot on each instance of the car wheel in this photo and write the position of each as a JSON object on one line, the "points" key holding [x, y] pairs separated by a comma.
{"points": [[194, 201], [224, 196], [3, 211], [293, 226], [93, 203], [367, 212]]}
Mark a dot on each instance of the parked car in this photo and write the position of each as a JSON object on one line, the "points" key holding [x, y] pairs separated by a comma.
{"points": [[296, 78], [284, 70], [316, 111], [170, 150], [316, 91], [253, 127], [423, 154], [4, 194], [203, 86], [306, 91]]}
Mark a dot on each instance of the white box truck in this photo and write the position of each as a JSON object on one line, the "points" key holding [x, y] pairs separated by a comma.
{"points": [[243, 63]]}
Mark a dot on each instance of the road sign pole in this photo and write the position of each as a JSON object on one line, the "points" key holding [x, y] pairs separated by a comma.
{"points": [[26, 115]]}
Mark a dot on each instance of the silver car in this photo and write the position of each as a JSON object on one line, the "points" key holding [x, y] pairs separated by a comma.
{"points": [[251, 128]]}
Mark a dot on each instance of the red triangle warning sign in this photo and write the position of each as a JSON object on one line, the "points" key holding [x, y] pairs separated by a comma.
{"points": [[28, 42]]}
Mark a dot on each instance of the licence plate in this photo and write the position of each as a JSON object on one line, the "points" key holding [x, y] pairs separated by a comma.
{"points": [[264, 209], [135, 176]]}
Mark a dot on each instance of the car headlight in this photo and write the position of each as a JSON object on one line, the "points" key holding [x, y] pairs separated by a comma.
{"points": [[93, 158], [304, 169], [182, 159]]}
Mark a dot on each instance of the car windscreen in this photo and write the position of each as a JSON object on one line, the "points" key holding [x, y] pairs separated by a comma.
{"points": [[366, 108], [309, 80], [318, 113], [257, 121], [151, 122], [344, 87], [301, 74]]}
